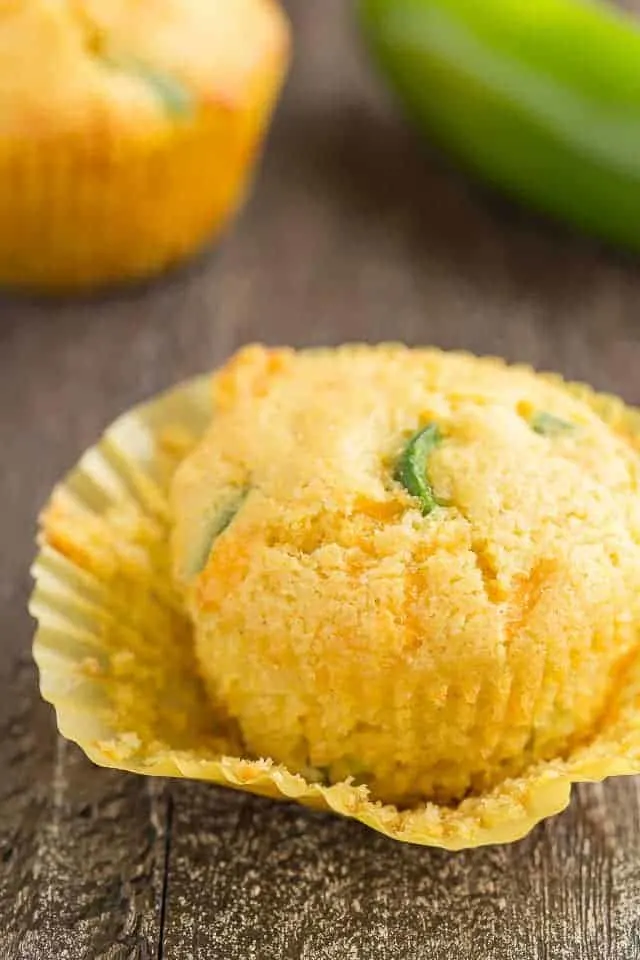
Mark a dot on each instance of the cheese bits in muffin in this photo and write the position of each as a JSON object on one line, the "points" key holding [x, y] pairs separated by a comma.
{"points": [[415, 569], [128, 131]]}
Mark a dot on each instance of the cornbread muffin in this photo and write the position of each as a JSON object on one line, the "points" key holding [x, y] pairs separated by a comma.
{"points": [[417, 569], [128, 130]]}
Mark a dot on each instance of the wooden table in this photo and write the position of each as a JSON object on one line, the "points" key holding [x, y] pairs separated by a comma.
{"points": [[352, 234]]}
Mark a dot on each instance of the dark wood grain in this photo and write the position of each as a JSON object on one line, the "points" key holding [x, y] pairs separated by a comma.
{"points": [[255, 879], [354, 232]]}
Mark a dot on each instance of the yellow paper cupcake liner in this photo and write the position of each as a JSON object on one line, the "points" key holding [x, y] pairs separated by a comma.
{"points": [[98, 207], [115, 655]]}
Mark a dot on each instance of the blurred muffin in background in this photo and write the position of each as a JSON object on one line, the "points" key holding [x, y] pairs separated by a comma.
{"points": [[128, 131]]}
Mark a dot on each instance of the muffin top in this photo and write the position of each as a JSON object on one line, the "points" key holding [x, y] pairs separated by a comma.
{"points": [[314, 440], [73, 64], [468, 528]]}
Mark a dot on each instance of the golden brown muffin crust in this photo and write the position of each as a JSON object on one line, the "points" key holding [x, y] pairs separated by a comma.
{"points": [[346, 631]]}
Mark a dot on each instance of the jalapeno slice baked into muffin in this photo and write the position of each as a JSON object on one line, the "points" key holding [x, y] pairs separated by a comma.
{"points": [[128, 131], [416, 569]]}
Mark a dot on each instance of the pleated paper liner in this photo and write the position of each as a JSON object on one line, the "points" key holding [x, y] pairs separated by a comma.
{"points": [[69, 223], [115, 654]]}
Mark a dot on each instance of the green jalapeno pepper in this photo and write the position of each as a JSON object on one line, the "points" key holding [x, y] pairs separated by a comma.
{"points": [[539, 97], [213, 528], [174, 97], [548, 425], [411, 469]]}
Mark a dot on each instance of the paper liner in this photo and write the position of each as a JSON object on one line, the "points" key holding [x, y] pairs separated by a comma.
{"points": [[115, 654]]}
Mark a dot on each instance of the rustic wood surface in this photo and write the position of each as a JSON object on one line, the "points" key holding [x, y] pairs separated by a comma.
{"points": [[353, 233]]}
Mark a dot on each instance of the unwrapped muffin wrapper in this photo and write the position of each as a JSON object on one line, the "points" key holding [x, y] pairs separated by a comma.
{"points": [[116, 659]]}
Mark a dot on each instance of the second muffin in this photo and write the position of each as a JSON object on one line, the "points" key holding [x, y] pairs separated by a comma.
{"points": [[128, 131]]}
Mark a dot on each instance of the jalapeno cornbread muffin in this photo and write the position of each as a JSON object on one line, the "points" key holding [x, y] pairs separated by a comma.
{"points": [[416, 569], [127, 130]]}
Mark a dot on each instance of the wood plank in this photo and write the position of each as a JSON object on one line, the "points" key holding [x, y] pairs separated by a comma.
{"points": [[82, 850], [254, 879]]}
